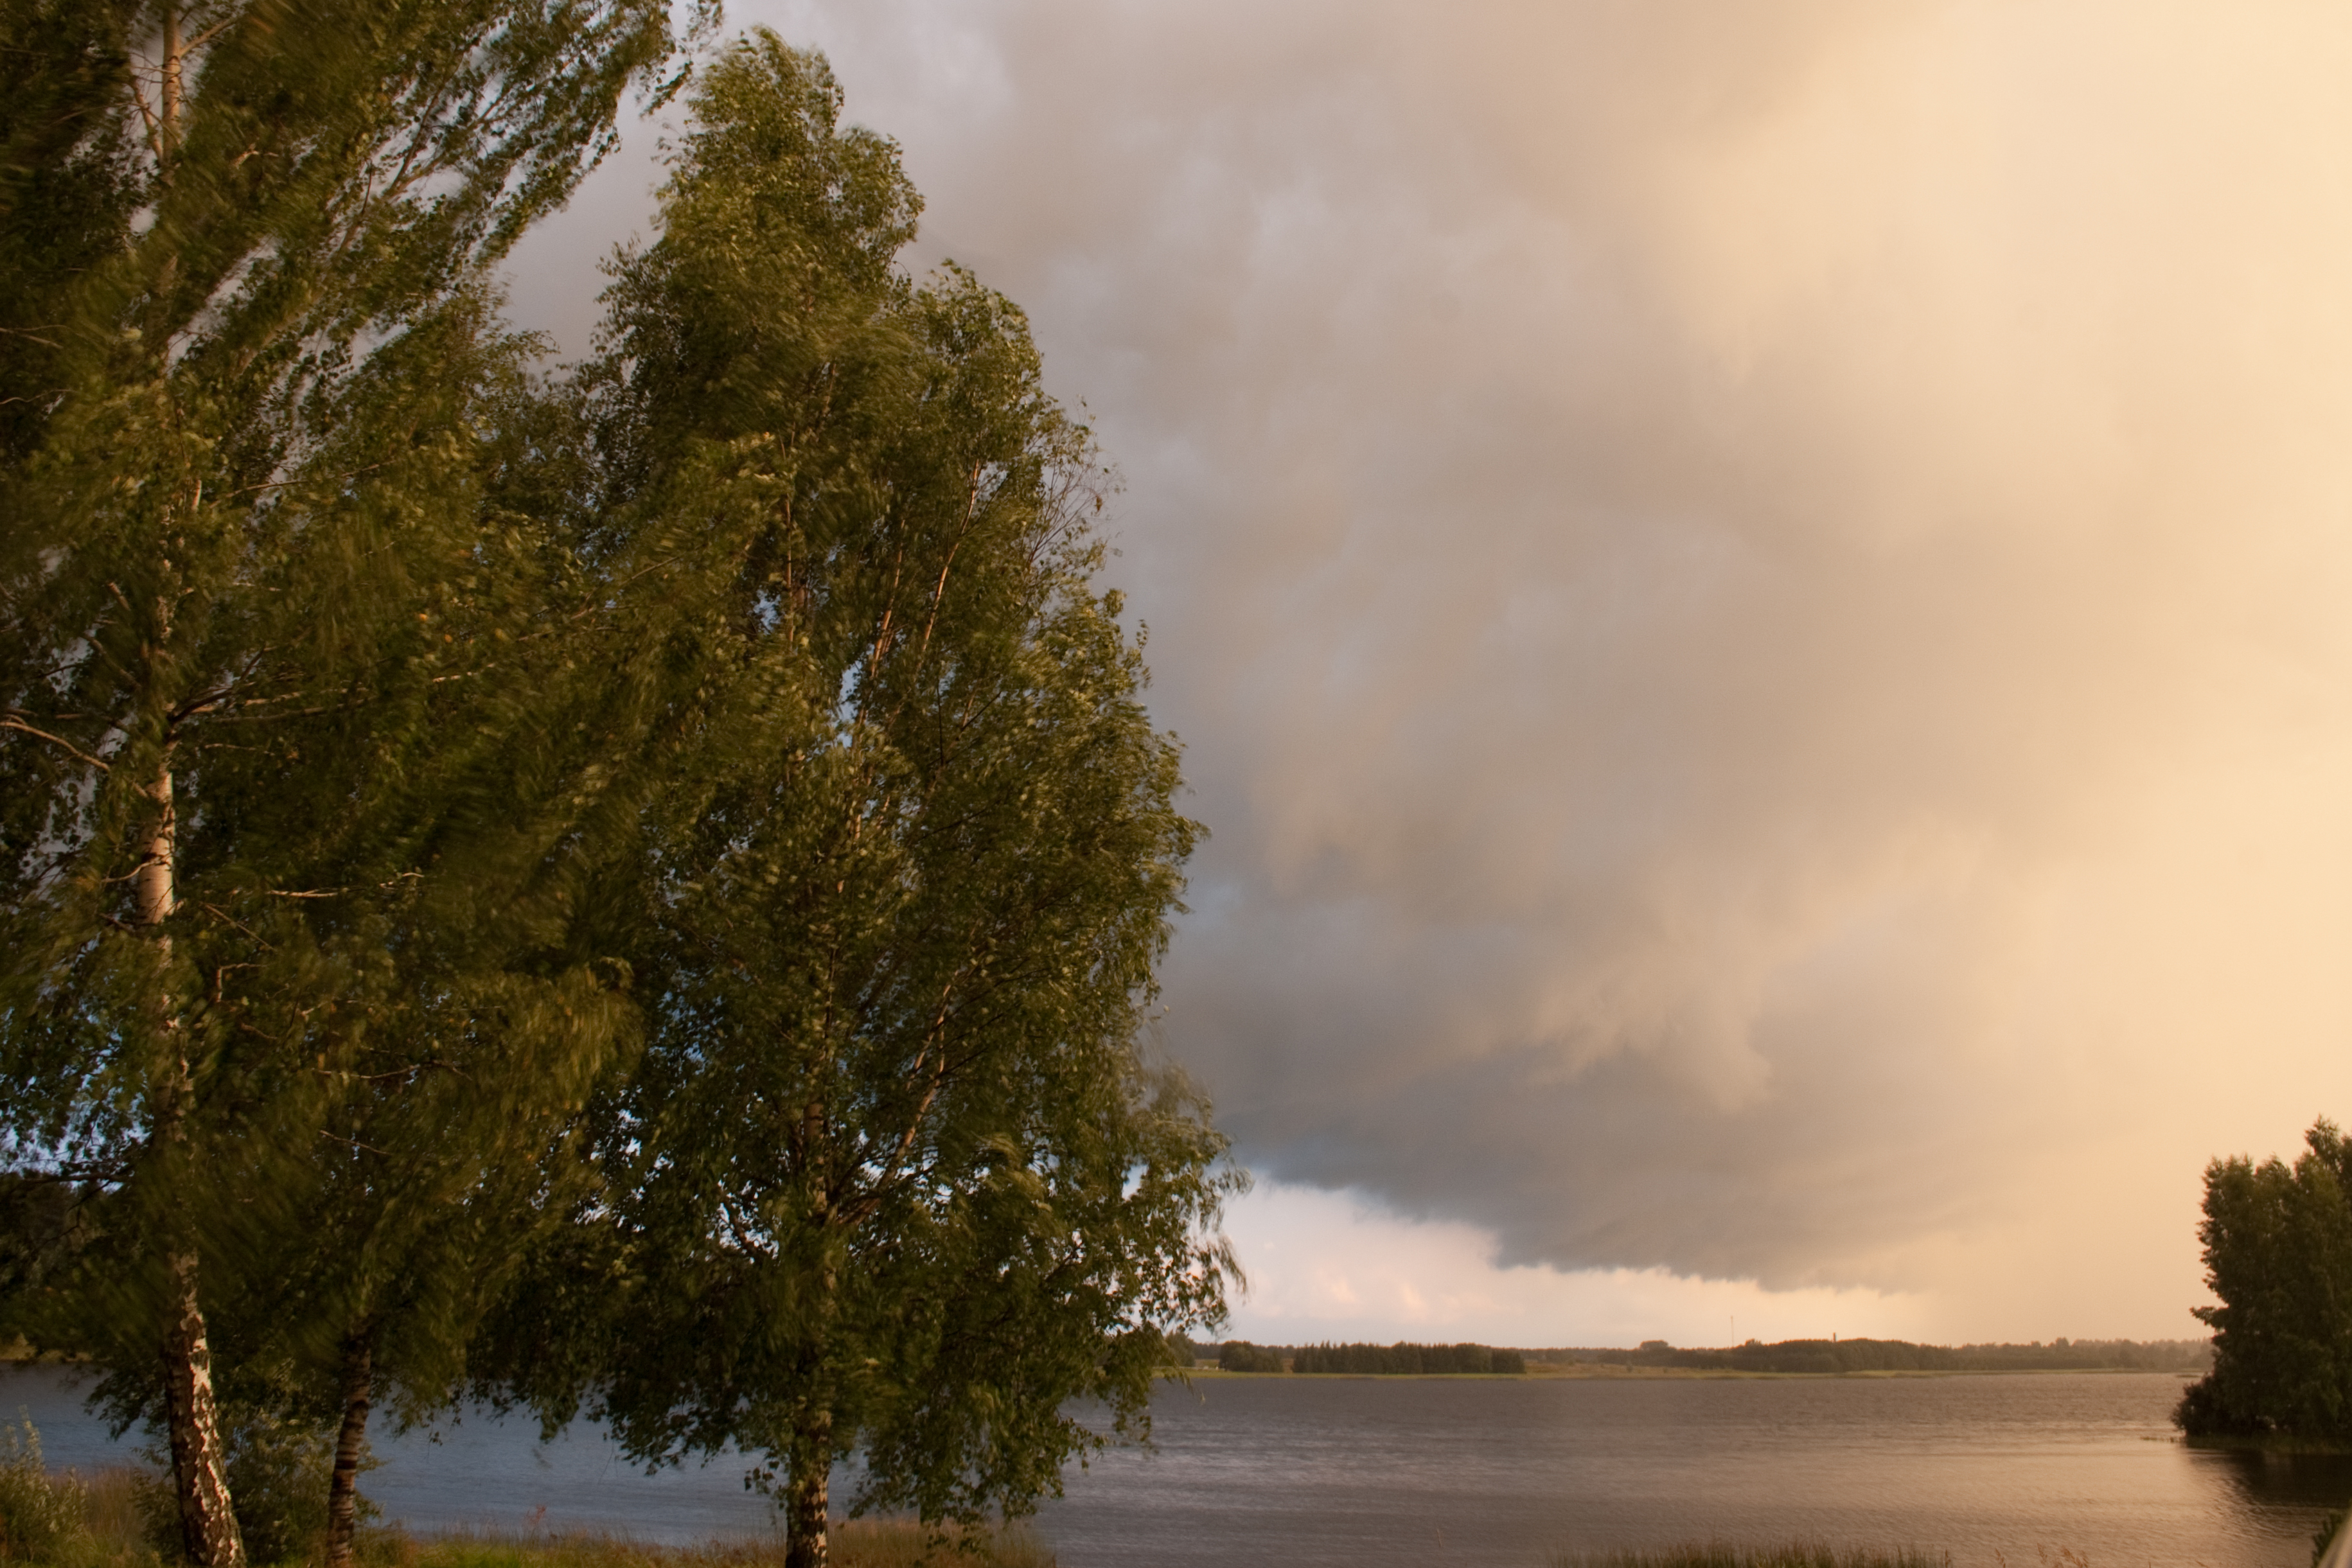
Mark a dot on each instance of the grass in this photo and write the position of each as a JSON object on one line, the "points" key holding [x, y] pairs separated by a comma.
{"points": [[115, 1507], [1796, 1554], [107, 1526], [857, 1544]]}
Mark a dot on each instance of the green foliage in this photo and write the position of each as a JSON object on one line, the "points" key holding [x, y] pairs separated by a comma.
{"points": [[67, 187], [892, 1174], [1240, 1356], [277, 1468], [121, 1518], [43, 1227], [244, 536], [2278, 1253], [287, 841], [155, 1507], [1406, 1360], [250, 557], [684, 839], [38, 1512]]}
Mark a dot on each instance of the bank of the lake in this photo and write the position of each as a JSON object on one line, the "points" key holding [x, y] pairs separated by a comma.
{"points": [[1497, 1472], [1612, 1370]]}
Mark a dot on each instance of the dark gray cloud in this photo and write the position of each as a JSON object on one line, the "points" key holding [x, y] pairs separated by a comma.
{"points": [[1751, 590]]}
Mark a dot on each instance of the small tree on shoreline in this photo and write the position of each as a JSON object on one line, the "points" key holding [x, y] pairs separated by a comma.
{"points": [[2278, 1253]]}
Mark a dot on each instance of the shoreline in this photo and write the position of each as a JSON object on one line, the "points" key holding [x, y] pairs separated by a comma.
{"points": [[2260, 1443], [1619, 1372]]}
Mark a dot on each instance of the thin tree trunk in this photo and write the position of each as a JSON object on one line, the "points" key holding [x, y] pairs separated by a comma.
{"points": [[191, 1419], [207, 1521], [808, 1488], [154, 884], [343, 1490], [808, 1494], [208, 1528]]}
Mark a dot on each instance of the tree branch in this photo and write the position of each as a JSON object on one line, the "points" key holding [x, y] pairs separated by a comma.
{"points": [[11, 721]]}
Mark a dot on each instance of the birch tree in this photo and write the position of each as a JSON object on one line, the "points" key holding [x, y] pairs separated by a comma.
{"points": [[217, 216], [894, 1177]]}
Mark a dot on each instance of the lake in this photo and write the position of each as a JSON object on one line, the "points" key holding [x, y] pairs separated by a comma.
{"points": [[1300, 1473]]}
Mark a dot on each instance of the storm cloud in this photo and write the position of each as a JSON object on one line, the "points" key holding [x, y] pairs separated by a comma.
{"points": [[1756, 594]]}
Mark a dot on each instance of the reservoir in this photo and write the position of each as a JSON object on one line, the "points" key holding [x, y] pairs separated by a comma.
{"points": [[1283, 1472]]}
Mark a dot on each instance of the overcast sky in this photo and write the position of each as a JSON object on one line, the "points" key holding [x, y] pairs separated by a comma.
{"points": [[1756, 594]]}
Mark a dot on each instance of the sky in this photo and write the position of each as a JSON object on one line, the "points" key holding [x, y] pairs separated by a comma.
{"points": [[1754, 595]]}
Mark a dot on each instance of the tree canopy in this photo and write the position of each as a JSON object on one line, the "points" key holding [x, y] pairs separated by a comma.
{"points": [[2278, 1253], [244, 247], [1403, 1359], [633, 889], [892, 1178]]}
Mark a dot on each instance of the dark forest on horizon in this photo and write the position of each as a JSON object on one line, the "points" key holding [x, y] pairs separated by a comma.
{"points": [[1903, 1355], [1796, 1355]]}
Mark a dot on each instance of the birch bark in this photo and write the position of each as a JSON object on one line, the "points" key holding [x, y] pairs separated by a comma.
{"points": [[342, 1491], [191, 1415], [208, 1528], [808, 1487]]}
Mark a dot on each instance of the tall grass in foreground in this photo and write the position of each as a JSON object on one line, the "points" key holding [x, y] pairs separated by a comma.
{"points": [[103, 1520], [859, 1543], [124, 1518], [1717, 1554]]}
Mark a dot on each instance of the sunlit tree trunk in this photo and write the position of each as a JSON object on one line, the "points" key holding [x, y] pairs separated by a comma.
{"points": [[809, 1486], [343, 1489], [809, 1500], [208, 1529], [192, 1422], [207, 1522]]}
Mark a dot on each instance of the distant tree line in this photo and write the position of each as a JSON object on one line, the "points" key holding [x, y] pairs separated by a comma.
{"points": [[1399, 1360], [1406, 1360], [1812, 1356], [2278, 1253], [1844, 1355]]}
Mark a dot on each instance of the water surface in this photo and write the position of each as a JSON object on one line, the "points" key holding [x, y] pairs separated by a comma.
{"points": [[1305, 1472]]}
